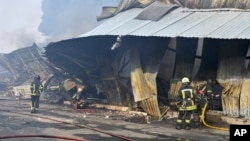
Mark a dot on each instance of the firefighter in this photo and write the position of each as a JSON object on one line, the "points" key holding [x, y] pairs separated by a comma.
{"points": [[206, 91], [186, 100], [217, 93], [36, 89], [79, 99]]}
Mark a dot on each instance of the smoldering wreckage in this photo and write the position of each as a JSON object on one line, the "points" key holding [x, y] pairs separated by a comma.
{"points": [[138, 56]]}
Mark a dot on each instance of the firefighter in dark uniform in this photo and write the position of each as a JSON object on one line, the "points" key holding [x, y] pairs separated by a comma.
{"points": [[206, 91], [36, 89], [186, 100]]}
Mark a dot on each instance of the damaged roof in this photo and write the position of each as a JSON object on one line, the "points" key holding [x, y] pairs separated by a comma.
{"points": [[223, 23]]}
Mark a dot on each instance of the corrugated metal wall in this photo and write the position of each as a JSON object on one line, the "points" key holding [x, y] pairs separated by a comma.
{"points": [[223, 60], [25, 63]]}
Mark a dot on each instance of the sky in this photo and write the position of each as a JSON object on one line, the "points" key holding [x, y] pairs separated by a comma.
{"points": [[25, 22]]}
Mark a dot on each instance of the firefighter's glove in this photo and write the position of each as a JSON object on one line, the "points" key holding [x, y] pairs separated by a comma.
{"points": [[200, 92], [178, 103], [217, 95]]}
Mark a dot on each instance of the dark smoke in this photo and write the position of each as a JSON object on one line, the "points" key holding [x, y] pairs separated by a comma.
{"points": [[63, 19]]}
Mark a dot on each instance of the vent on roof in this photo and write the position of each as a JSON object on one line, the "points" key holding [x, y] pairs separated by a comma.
{"points": [[155, 11]]}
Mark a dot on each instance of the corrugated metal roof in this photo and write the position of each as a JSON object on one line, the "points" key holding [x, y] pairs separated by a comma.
{"points": [[181, 22]]}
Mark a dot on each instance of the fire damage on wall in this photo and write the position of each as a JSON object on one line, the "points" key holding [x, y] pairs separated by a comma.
{"points": [[19, 68], [139, 62]]}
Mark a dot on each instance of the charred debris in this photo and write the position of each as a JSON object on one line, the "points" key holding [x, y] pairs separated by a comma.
{"points": [[129, 64]]}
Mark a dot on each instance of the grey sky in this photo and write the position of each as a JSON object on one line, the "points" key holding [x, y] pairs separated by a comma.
{"points": [[44, 21]]}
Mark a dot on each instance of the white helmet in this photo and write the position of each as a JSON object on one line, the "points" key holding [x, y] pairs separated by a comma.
{"points": [[185, 80], [80, 88]]}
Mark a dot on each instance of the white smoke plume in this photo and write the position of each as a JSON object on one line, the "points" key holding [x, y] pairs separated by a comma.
{"points": [[25, 22]]}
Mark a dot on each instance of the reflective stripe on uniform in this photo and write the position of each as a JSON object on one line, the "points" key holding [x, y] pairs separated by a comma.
{"points": [[188, 108], [186, 90], [33, 87], [179, 121], [203, 89], [184, 107]]}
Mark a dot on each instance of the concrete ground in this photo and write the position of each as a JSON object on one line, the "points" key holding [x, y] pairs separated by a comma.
{"points": [[92, 125]]}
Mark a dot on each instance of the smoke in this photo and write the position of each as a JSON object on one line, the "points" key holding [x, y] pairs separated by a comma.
{"points": [[19, 26], [25, 22], [65, 19]]}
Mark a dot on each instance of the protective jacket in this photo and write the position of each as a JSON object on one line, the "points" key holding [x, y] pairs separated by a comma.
{"points": [[36, 87], [206, 91], [187, 97]]}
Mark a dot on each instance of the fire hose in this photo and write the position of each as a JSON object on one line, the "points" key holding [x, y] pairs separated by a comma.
{"points": [[41, 136], [64, 122], [202, 118]]}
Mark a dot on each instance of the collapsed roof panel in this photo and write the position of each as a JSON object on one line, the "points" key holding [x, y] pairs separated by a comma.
{"points": [[155, 11], [79, 56], [25, 63], [193, 4]]}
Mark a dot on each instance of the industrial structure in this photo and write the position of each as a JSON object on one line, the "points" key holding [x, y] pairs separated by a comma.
{"points": [[138, 55]]}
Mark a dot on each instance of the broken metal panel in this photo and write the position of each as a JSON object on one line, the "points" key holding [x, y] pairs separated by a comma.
{"points": [[231, 96], [96, 65], [4, 63], [110, 74], [208, 56], [168, 62], [68, 84], [151, 53], [197, 61], [139, 84], [151, 106], [231, 72], [245, 98], [114, 86], [155, 11], [108, 12], [111, 90], [80, 56], [25, 63], [22, 91], [121, 67], [232, 59], [186, 52], [247, 59], [175, 86], [145, 64], [151, 56], [207, 4]]}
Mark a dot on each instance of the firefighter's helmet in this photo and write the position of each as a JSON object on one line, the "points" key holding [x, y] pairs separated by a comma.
{"points": [[37, 77], [185, 80], [80, 88]]}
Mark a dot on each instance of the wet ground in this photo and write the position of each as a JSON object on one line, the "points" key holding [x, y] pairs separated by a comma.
{"points": [[91, 125]]}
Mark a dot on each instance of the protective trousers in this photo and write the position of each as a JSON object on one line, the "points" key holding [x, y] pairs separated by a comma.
{"points": [[35, 103], [184, 116]]}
